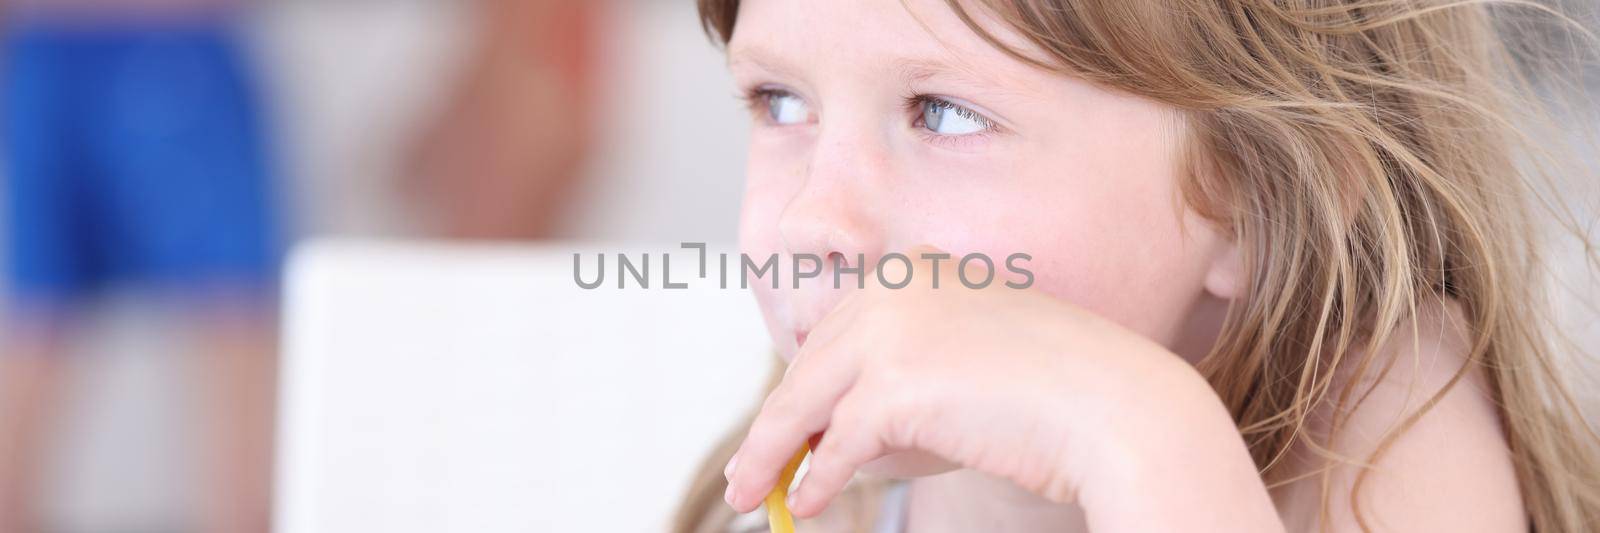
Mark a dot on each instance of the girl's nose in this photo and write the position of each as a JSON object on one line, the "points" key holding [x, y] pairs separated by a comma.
{"points": [[830, 224], [831, 215]]}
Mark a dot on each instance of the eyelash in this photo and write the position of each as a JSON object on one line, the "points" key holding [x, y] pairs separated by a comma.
{"points": [[915, 102], [913, 106], [756, 100]]}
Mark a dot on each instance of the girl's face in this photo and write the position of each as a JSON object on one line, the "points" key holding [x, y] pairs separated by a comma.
{"points": [[882, 125]]}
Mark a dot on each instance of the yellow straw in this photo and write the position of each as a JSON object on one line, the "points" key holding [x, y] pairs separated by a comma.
{"points": [[777, 510]]}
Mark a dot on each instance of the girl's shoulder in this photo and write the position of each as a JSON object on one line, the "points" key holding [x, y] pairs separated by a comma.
{"points": [[1426, 350], [1414, 423]]}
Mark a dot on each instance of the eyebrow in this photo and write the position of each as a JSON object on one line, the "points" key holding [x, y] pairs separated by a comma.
{"points": [[909, 71], [759, 58], [918, 70], [913, 71]]}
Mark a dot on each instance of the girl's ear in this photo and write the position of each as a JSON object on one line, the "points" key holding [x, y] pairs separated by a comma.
{"points": [[1225, 275]]}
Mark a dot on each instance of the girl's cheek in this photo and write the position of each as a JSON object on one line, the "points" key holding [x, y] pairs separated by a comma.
{"points": [[771, 181], [757, 242], [775, 314], [767, 192], [1039, 233]]}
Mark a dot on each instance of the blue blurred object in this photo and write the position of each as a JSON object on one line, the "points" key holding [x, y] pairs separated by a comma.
{"points": [[135, 154]]}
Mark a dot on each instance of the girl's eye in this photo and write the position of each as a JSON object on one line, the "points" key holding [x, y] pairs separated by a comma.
{"points": [[944, 118], [782, 107]]}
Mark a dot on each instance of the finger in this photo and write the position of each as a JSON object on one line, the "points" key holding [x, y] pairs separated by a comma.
{"points": [[835, 322], [799, 408], [896, 271], [950, 270], [853, 439], [832, 326], [921, 266]]}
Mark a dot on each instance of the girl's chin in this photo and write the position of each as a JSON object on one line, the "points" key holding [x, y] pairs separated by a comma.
{"points": [[902, 465]]}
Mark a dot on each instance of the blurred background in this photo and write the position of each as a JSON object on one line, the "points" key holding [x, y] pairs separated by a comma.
{"points": [[595, 120], [609, 121]]}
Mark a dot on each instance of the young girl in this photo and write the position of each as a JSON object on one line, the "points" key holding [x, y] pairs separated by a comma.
{"points": [[1282, 268]]}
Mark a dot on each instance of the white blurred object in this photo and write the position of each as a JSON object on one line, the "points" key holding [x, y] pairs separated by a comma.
{"points": [[441, 389]]}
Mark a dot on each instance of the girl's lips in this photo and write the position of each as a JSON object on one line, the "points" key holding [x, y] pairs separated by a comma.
{"points": [[800, 338]]}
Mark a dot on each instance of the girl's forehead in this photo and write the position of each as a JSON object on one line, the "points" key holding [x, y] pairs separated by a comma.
{"points": [[899, 38]]}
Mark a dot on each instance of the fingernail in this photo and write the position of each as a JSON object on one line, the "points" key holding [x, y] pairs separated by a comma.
{"points": [[727, 471], [727, 496], [793, 497]]}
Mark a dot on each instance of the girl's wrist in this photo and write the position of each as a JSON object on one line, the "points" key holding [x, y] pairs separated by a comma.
{"points": [[1168, 457]]}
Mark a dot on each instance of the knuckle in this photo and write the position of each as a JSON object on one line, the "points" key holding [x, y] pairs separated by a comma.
{"points": [[892, 370], [763, 437], [779, 405], [774, 432], [833, 445], [829, 467], [900, 414]]}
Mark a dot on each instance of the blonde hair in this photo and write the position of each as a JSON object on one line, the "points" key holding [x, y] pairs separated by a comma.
{"points": [[1369, 156]]}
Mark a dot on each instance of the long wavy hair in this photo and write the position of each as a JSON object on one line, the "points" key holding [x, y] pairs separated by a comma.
{"points": [[1369, 157]]}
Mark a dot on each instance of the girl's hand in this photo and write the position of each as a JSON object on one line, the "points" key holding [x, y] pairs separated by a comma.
{"points": [[1012, 383]]}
